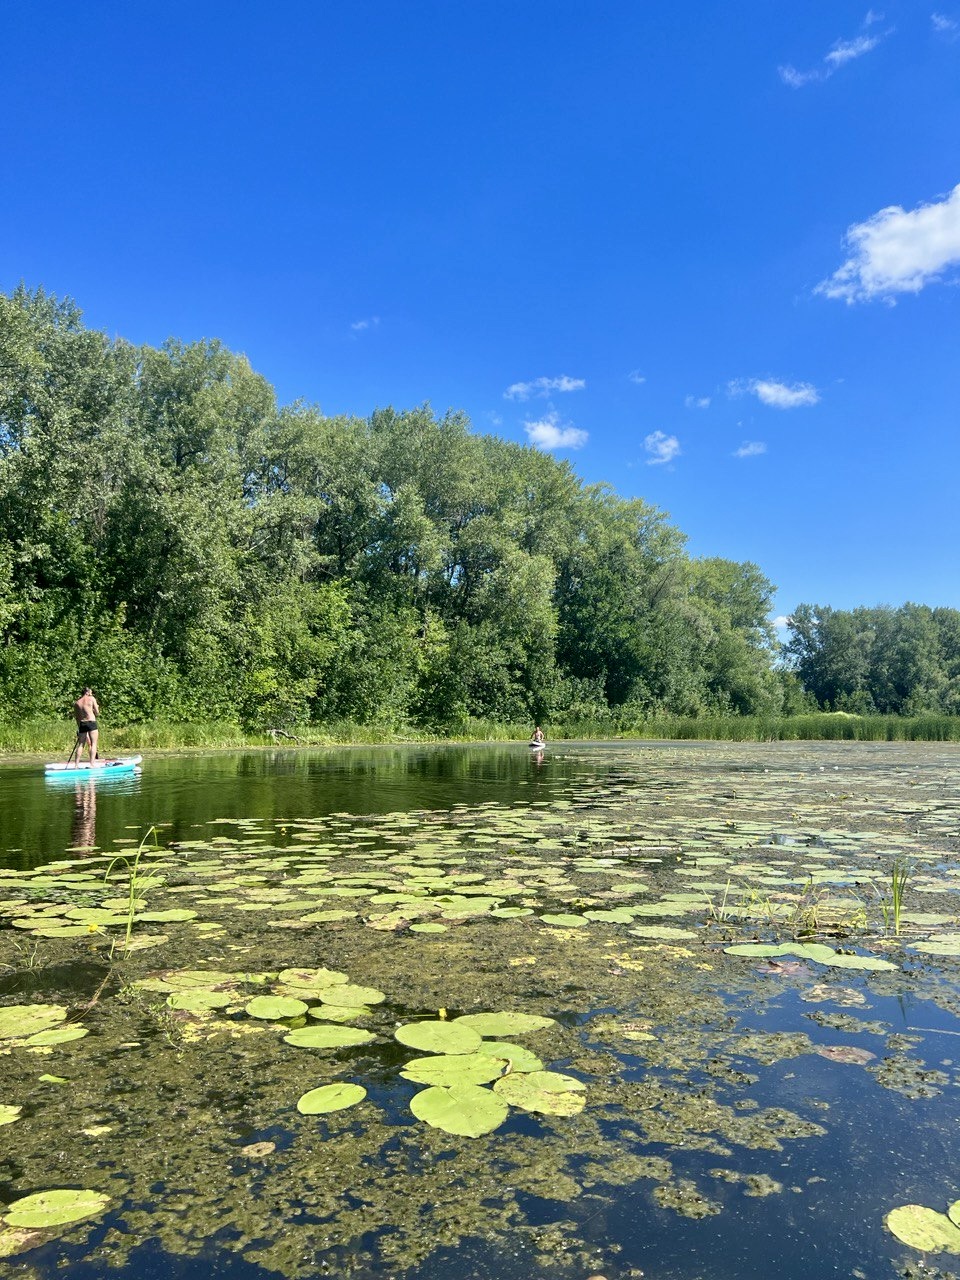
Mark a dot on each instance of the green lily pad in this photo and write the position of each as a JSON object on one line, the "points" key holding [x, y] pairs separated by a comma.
{"points": [[9, 1113], [327, 1036], [339, 1012], [439, 1037], [348, 994], [170, 916], [519, 1058], [563, 920], [467, 1110], [330, 1097], [816, 951], [17, 1021], [924, 1229], [454, 1068], [275, 1008], [57, 1035], [548, 1092], [54, 1208], [504, 1024]]}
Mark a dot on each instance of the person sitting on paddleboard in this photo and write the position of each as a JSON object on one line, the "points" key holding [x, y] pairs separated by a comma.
{"points": [[85, 711], [538, 735]]}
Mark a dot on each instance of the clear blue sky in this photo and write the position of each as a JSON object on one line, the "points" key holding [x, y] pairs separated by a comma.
{"points": [[679, 234]]}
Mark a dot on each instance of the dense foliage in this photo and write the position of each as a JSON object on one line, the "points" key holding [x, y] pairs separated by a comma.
{"points": [[902, 661], [171, 535]]}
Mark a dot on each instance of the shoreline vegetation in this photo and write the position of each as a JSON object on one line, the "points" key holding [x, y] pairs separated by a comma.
{"points": [[44, 737], [212, 563]]}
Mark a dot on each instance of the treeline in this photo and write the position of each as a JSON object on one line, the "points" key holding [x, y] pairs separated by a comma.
{"points": [[902, 661], [174, 537]]}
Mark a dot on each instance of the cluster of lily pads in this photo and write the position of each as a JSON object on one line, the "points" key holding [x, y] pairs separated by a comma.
{"points": [[570, 864], [466, 1053]]}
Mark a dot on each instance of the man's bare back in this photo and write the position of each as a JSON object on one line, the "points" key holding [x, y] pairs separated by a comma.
{"points": [[86, 709]]}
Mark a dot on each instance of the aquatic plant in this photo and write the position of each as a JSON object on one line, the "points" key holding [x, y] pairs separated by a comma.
{"points": [[137, 883], [892, 906]]}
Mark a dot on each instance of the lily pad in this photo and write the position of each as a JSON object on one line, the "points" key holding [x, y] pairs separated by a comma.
{"points": [[924, 1229], [519, 1058], [17, 1021], [327, 1036], [57, 1035], [454, 1068], [275, 1008], [9, 1113], [564, 920], [348, 994], [548, 1092], [331, 1097], [504, 1024], [439, 1037], [53, 1208], [467, 1110]]}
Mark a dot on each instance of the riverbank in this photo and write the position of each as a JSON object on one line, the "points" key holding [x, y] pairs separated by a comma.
{"points": [[54, 737]]}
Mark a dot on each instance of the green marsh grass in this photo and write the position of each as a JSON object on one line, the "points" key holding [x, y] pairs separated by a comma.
{"points": [[56, 737]]}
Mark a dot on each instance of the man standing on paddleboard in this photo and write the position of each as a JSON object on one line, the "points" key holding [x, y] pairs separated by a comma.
{"points": [[85, 711]]}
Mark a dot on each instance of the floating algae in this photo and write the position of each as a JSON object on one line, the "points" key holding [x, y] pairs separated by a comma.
{"points": [[668, 1068]]}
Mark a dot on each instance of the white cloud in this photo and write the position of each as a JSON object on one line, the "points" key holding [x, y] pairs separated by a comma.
{"points": [[358, 326], [697, 402], [778, 395], [549, 432], [897, 251], [750, 449], [636, 376], [944, 25], [846, 50], [839, 54], [782, 622], [543, 387], [661, 447]]}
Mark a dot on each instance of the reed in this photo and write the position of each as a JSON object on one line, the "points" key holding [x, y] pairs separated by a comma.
{"points": [[55, 737]]}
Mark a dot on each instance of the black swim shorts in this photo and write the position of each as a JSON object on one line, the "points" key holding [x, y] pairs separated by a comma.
{"points": [[86, 726]]}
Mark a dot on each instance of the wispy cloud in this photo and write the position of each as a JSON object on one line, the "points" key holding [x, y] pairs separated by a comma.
{"points": [[838, 55], [945, 26], [372, 322], [543, 387], [778, 395], [696, 402], [661, 447], [750, 449], [781, 622], [636, 376], [549, 432], [897, 251]]}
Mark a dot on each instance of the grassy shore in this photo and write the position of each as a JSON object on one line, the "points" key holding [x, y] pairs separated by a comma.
{"points": [[56, 737]]}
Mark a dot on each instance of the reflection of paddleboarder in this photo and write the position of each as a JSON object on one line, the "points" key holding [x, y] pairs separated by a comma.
{"points": [[85, 712], [85, 815]]}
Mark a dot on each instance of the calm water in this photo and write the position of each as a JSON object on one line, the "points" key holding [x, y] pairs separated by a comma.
{"points": [[39, 819], [881, 1145]]}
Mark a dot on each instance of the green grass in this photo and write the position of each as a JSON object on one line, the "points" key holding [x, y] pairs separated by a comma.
{"points": [[56, 737]]}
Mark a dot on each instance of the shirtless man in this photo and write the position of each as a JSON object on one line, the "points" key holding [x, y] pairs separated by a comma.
{"points": [[85, 711]]}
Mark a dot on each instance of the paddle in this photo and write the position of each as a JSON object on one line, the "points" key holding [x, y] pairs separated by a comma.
{"points": [[76, 747]]}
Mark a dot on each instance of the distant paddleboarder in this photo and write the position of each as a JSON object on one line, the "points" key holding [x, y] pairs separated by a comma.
{"points": [[538, 739], [86, 709]]}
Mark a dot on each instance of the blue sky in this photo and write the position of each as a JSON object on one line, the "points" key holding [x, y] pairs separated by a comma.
{"points": [[708, 253]]}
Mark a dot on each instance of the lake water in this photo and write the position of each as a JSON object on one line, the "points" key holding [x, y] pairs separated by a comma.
{"points": [[704, 1112]]}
